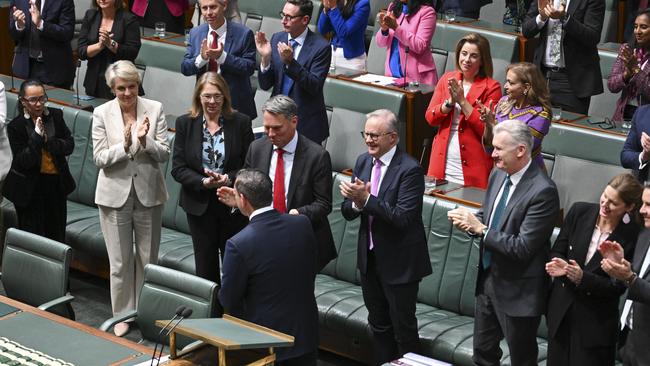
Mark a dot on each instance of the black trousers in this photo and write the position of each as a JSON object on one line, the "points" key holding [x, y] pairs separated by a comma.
{"points": [[46, 214], [491, 325], [210, 232], [391, 314], [562, 94], [630, 345], [37, 71]]}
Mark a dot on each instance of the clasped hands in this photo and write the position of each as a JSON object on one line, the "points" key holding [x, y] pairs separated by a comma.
{"points": [[630, 62], [465, 221], [141, 133], [226, 195], [613, 261], [387, 20], [208, 53], [356, 191], [456, 93], [264, 49], [214, 179], [19, 15], [559, 267], [546, 10]]}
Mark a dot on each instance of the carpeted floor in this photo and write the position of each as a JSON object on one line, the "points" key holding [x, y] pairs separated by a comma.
{"points": [[92, 307]]}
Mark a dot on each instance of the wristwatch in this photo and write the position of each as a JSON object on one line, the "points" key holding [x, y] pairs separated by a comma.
{"points": [[448, 105], [113, 44], [630, 280]]}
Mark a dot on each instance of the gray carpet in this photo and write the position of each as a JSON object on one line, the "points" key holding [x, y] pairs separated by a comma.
{"points": [[92, 307]]}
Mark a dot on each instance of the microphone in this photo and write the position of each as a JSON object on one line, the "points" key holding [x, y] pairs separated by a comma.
{"points": [[11, 69], [425, 144], [179, 312], [78, 104], [407, 50], [187, 312]]}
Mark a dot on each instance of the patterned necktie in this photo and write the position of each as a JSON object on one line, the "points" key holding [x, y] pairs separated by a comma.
{"points": [[374, 190], [555, 38], [213, 65], [34, 35], [287, 81], [496, 218], [279, 202]]}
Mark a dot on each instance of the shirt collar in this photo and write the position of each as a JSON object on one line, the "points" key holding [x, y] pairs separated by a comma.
{"points": [[387, 157], [221, 30], [290, 148], [301, 38], [516, 177], [259, 211]]}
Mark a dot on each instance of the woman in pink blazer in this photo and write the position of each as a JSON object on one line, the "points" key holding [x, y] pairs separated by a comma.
{"points": [[408, 27]]}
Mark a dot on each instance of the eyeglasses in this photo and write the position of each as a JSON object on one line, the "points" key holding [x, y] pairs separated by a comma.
{"points": [[284, 16], [374, 136], [210, 97], [34, 100]]}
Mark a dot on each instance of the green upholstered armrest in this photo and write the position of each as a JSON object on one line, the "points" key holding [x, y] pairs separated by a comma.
{"points": [[58, 301], [108, 324]]}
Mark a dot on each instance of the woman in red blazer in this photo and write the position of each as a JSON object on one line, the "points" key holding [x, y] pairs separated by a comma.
{"points": [[458, 154]]}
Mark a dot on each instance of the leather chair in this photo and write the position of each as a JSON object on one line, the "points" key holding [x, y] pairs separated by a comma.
{"points": [[35, 271], [163, 291]]}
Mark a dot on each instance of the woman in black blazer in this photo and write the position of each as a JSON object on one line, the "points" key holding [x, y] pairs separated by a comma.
{"points": [[583, 305], [210, 147], [108, 33], [39, 180]]}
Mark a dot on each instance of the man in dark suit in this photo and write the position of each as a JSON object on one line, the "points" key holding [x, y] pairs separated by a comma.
{"points": [[635, 319], [42, 30], [225, 47], [305, 185], [269, 270], [515, 225], [569, 33], [295, 63], [636, 150], [392, 251]]}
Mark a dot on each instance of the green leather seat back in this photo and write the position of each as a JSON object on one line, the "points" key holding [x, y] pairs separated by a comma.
{"points": [[12, 104], [454, 256], [81, 162], [346, 235], [345, 143], [34, 268], [164, 290], [603, 105], [173, 215]]}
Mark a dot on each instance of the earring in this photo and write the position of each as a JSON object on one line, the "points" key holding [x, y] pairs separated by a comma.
{"points": [[626, 218], [526, 93], [26, 114]]}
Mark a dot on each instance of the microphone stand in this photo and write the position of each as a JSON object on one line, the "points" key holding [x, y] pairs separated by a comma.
{"points": [[407, 50], [13, 61], [179, 312], [78, 104], [187, 312], [425, 144]]}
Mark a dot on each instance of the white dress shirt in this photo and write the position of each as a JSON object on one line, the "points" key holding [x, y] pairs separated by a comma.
{"points": [[259, 211], [289, 154], [221, 32], [515, 179], [385, 162]]}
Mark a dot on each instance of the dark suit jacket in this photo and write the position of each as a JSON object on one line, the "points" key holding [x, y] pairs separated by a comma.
{"points": [[632, 147], [187, 163], [582, 35], [310, 187], [26, 146], [309, 73], [399, 240], [58, 29], [268, 278], [520, 245], [236, 70], [126, 32], [594, 303], [639, 292]]}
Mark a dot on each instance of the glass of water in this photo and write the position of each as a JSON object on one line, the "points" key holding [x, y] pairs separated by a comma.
{"points": [[159, 29], [450, 15], [556, 111]]}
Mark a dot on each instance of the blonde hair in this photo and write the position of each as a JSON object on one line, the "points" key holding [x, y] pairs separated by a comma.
{"points": [[124, 70], [217, 80], [538, 94]]}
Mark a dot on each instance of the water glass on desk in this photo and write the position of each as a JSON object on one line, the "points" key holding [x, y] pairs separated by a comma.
{"points": [[429, 184], [159, 29], [450, 15], [556, 112]]}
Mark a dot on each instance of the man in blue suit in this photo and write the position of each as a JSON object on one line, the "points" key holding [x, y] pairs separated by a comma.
{"points": [[636, 150], [269, 270], [226, 47], [42, 30], [295, 63], [392, 253]]}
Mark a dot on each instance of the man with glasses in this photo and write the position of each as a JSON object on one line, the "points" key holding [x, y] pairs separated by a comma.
{"points": [[225, 47], [386, 191], [295, 63]]}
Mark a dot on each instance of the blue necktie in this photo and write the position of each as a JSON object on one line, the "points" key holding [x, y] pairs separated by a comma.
{"points": [[287, 81], [496, 218]]}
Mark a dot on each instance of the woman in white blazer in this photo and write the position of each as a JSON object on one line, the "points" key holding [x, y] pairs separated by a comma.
{"points": [[129, 144]]}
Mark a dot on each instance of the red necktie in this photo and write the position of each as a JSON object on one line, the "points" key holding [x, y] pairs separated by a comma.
{"points": [[278, 184], [213, 65]]}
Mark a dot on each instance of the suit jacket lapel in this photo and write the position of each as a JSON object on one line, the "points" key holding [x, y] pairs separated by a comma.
{"points": [[142, 114], [391, 172], [572, 7], [584, 236], [228, 130], [640, 253], [491, 196], [304, 55], [116, 122], [227, 45], [195, 141], [477, 89], [297, 169], [265, 156], [365, 170], [520, 191]]}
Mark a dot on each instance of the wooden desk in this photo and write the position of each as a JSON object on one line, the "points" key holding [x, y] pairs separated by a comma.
{"points": [[417, 101], [65, 339]]}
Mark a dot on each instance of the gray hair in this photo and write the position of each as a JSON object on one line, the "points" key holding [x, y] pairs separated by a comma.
{"points": [[255, 186], [518, 131], [281, 104], [124, 70], [387, 116]]}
